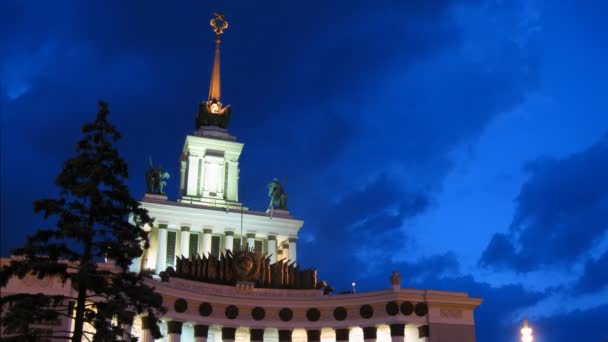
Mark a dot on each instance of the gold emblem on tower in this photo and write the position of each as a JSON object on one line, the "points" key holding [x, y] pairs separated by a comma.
{"points": [[219, 23]]}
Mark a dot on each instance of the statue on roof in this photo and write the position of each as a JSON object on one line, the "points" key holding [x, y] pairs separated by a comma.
{"points": [[277, 194], [156, 179]]}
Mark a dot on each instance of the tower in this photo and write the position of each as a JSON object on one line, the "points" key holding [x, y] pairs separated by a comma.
{"points": [[207, 219], [209, 169]]}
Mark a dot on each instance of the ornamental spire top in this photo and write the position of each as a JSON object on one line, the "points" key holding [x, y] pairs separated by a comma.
{"points": [[212, 112], [219, 24]]}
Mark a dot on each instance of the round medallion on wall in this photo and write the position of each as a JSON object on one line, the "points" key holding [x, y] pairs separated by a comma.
{"points": [[392, 308], [285, 314], [340, 313], [421, 309], [407, 308], [205, 309], [180, 305], [231, 312], [366, 311], [258, 313], [313, 314]]}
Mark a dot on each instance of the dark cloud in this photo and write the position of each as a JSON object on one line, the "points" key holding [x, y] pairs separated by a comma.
{"points": [[433, 267], [560, 213], [360, 226], [582, 325], [595, 275]]}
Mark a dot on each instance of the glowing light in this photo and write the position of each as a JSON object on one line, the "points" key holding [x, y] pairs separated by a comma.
{"points": [[526, 332], [214, 108]]}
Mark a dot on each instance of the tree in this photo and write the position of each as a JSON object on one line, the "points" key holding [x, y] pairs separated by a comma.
{"points": [[96, 219]]}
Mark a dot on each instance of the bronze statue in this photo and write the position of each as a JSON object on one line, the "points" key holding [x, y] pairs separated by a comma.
{"points": [[155, 179], [150, 178], [277, 194]]}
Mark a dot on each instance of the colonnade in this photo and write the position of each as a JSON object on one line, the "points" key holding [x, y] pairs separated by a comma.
{"points": [[202, 332], [288, 246]]}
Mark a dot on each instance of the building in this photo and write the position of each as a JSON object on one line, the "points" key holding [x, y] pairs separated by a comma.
{"points": [[228, 273]]}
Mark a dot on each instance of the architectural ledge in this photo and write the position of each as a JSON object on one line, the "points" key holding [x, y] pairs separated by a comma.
{"points": [[214, 132], [231, 207], [155, 197], [278, 213]]}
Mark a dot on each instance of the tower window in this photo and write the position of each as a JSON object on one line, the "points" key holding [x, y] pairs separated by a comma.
{"points": [[193, 248], [258, 246], [215, 245], [171, 240]]}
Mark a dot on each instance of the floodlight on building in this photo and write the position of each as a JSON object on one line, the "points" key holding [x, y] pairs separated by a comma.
{"points": [[526, 332]]}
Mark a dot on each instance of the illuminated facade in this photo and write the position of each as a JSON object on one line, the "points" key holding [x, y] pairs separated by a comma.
{"points": [[251, 299]]}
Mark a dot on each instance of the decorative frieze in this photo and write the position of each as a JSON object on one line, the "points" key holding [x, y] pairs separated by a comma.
{"points": [[450, 313]]}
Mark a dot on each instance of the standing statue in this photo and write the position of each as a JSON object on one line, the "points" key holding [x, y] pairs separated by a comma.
{"points": [[162, 177], [278, 196], [155, 179], [150, 178]]}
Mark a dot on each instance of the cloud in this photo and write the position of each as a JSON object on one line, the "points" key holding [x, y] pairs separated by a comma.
{"points": [[560, 213], [582, 325], [595, 275], [433, 267], [361, 227]]}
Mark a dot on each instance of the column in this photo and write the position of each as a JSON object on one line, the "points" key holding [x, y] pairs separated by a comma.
{"points": [[184, 242], [161, 250], [200, 332], [182, 179], [286, 253], [342, 335], [369, 334], [292, 249], [228, 334], [313, 335], [272, 248], [256, 335], [397, 332], [232, 191], [228, 240], [192, 185], [250, 241], [136, 263], [146, 334], [284, 335], [174, 330], [424, 333], [207, 242]]}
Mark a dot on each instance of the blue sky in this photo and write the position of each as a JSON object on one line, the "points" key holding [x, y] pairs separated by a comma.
{"points": [[461, 142]]}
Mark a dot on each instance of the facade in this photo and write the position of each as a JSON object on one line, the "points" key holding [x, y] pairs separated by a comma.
{"points": [[227, 273]]}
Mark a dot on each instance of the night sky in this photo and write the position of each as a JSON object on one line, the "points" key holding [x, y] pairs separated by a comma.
{"points": [[462, 143]]}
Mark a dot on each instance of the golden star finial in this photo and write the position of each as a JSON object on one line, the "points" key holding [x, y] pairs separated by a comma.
{"points": [[218, 23]]}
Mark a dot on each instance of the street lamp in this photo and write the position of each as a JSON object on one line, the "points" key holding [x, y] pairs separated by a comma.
{"points": [[526, 332]]}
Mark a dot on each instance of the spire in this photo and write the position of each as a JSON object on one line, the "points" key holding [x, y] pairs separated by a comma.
{"points": [[219, 24], [212, 112]]}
